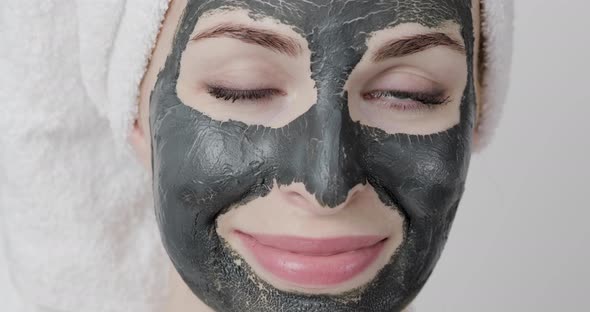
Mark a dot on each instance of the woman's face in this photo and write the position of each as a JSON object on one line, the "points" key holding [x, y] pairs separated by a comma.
{"points": [[309, 155]]}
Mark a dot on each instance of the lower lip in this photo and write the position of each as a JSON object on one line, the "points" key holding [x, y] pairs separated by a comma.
{"points": [[312, 270]]}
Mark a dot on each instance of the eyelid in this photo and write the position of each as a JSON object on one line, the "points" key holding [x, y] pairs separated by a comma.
{"points": [[233, 95], [407, 70], [403, 79], [228, 82], [210, 87]]}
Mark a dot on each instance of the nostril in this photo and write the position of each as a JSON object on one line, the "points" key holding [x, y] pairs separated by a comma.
{"points": [[308, 202], [296, 195], [296, 198]]}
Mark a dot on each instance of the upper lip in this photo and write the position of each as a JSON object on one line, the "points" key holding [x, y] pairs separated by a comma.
{"points": [[316, 246]]}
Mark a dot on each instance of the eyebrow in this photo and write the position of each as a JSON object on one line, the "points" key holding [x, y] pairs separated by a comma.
{"points": [[415, 44], [265, 38]]}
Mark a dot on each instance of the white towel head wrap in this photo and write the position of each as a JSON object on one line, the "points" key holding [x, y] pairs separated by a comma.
{"points": [[75, 205]]}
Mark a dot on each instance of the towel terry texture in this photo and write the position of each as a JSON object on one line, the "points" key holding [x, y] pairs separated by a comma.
{"points": [[75, 206]]}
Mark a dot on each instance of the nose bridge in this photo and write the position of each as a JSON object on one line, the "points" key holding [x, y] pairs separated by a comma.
{"points": [[331, 170]]}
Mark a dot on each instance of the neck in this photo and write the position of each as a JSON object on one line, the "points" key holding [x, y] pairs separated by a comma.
{"points": [[181, 298]]}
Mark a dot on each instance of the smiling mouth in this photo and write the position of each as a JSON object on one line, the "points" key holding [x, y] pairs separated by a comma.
{"points": [[313, 263]]}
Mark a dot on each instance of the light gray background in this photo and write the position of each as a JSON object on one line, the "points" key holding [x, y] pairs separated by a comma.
{"points": [[521, 238]]}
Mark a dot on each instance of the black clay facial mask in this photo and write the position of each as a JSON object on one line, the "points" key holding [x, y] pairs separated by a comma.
{"points": [[203, 167]]}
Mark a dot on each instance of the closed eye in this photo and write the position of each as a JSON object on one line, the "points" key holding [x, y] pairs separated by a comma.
{"points": [[405, 100], [233, 95]]}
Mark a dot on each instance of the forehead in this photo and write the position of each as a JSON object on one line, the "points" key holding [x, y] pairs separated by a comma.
{"points": [[338, 30], [317, 16]]}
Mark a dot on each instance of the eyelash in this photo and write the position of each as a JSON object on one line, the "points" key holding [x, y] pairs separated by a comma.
{"points": [[234, 95], [421, 100]]}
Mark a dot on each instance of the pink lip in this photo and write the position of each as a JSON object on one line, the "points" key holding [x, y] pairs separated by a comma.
{"points": [[314, 262]]}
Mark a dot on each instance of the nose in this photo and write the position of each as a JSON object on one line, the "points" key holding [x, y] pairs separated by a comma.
{"points": [[331, 165], [297, 195], [323, 151]]}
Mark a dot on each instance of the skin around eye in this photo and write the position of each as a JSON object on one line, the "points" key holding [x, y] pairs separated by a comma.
{"points": [[227, 79], [247, 90], [418, 93], [404, 93], [403, 100]]}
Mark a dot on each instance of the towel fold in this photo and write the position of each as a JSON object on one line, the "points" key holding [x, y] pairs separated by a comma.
{"points": [[75, 206], [497, 32]]}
